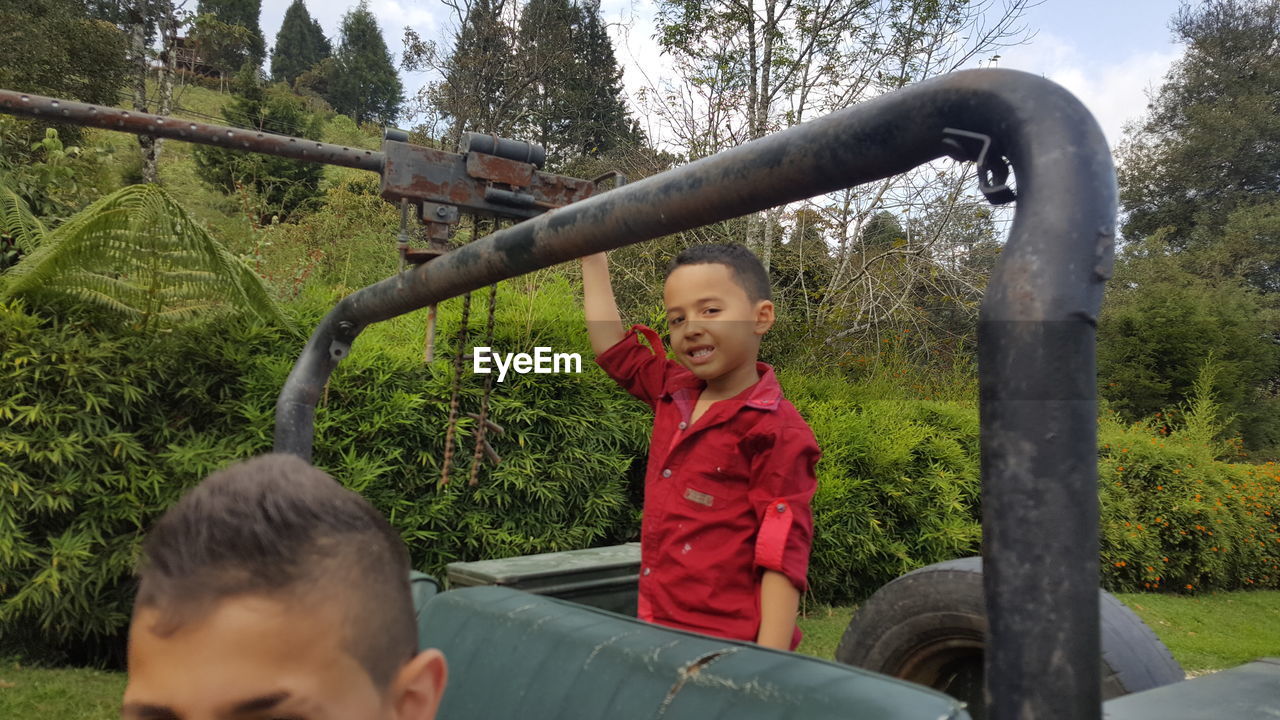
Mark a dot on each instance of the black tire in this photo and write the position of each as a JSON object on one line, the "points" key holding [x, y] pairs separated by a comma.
{"points": [[929, 627]]}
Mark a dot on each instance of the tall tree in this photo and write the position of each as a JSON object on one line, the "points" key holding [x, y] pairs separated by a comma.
{"points": [[300, 44], [545, 41], [482, 86], [244, 13], [364, 83], [55, 47], [750, 67], [1202, 170], [598, 116], [550, 76], [144, 17], [1198, 279]]}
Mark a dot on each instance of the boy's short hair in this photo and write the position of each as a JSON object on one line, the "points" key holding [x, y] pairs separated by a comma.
{"points": [[275, 526], [746, 268]]}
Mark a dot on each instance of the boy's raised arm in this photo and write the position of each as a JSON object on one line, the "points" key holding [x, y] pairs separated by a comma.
{"points": [[604, 324]]}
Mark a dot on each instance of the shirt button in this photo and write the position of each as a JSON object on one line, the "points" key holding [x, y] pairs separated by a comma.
{"points": [[782, 508], [666, 473], [683, 425], [646, 571]]}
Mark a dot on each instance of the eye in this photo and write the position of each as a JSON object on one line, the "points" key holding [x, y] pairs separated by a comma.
{"points": [[673, 322], [711, 311]]}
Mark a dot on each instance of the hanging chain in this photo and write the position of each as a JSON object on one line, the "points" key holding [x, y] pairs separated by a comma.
{"points": [[456, 389], [482, 421]]}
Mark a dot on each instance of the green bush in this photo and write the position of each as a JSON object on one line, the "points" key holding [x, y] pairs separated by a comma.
{"points": [[897, 483], [563, 480], [898, 488], [100, 433], [53, 179], [1155, 334], [278, 186], [350, 242], [1177, 518]]}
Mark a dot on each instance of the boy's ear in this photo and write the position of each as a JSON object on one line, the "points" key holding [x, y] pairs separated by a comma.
{"points": [[764, 316], [419, 686]]}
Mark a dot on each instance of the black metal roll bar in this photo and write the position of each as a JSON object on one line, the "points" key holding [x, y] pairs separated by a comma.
{"points": [[1036, 329]]}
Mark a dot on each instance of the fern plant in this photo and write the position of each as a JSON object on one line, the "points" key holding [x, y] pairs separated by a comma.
{"points": [[135, 253], [18, 223]]}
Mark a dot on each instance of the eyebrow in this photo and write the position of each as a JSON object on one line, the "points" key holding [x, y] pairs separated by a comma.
{"points": [[258, 704], [145, 711], [699, 301]]}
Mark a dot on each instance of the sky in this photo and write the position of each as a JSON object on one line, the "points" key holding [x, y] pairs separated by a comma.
{"points": [[1110, 54]]}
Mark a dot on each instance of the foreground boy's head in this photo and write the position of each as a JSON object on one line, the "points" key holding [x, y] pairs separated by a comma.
{"points": [[270, 591], [719, 307]]}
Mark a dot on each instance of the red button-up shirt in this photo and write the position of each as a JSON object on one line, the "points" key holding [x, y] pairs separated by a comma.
{"points": [[725, 498]]}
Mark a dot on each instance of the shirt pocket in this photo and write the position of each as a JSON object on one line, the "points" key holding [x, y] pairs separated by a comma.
{"points": [[714, 492]]}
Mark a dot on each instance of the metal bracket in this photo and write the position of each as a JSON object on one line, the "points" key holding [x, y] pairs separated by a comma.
{"points": [[993, 168], [618, 179]]}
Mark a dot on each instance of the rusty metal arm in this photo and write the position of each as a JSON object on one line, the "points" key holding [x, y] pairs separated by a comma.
{"points": [[491, 176], [138, 123], [1036, 328]]}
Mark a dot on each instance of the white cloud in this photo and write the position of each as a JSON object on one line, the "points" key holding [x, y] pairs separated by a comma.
{"points": [[393, 16], [644, 66], [1116, 93]]}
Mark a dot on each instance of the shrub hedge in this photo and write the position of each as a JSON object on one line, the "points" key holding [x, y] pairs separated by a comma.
{"points": [[1176, 518], [100, 432]]}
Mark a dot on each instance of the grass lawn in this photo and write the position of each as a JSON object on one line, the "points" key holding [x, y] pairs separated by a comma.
{"points": [[74, 694], [1204, 632], [1212, 632]]}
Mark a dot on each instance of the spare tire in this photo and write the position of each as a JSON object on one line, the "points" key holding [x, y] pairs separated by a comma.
{"points": [[929, 627]]}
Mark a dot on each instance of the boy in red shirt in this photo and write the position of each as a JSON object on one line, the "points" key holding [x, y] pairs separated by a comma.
{"points": [[727, 526]]}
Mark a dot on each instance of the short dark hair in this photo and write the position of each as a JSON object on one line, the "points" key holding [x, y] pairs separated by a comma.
{"points": [[276, 526], [745, 267]]}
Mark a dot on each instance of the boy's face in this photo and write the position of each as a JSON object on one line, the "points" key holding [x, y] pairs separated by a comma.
{"points": [[256, 658], [715, 328]]}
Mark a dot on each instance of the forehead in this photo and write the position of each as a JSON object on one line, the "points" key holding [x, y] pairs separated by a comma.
{"points": [[689, 284], [246, 647]]}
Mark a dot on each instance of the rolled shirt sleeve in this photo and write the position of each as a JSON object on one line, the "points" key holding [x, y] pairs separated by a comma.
{"points": [[782, 486], [640, 370]]}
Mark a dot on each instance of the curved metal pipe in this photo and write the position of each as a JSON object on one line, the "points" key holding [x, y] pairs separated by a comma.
{"points": [[1036, 331]]}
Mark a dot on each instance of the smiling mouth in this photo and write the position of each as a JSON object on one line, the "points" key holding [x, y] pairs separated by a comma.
{"points": [[701, 354]]}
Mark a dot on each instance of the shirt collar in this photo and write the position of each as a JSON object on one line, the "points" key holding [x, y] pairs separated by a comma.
{"points": [[764, 395]]}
